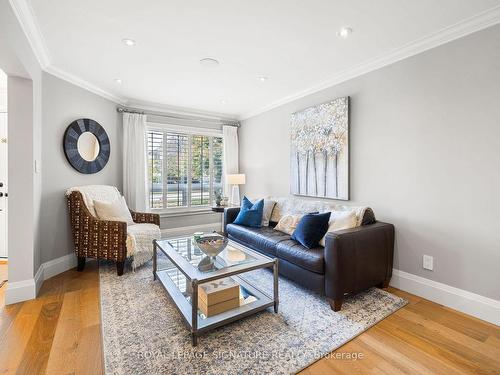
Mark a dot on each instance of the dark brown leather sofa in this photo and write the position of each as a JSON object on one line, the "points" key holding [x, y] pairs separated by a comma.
{"points": [[352, 260]]}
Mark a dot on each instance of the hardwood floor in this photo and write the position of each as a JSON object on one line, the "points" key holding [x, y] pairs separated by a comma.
{"points": [[3, 272], [59, 333]]}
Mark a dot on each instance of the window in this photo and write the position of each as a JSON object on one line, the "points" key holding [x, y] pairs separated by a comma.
{"points": [[184, 170]]}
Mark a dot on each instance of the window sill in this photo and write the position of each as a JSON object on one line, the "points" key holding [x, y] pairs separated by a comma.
{"points": [[186, 212]]}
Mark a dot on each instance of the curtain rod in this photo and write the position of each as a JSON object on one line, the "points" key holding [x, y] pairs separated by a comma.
{"points": [[127, 110]]}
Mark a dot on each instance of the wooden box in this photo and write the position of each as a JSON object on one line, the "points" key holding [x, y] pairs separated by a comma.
{"points": [[218, 296], [218, 307]]}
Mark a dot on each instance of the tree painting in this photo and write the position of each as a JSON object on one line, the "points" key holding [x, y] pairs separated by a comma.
{"points": [[319, 160]]}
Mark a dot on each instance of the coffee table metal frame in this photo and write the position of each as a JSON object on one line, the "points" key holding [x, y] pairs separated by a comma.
{"points": [[189, 310]]}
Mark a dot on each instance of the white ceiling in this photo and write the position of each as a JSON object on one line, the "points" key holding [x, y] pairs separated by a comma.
{"points": [[293, 42]]}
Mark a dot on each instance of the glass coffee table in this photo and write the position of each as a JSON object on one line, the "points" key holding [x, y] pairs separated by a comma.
{"points": [[180, 277]]}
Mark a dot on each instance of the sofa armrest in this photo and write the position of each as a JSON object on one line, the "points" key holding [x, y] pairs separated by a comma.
{"points": [[358, 258], [230, 215], [145, 217]]}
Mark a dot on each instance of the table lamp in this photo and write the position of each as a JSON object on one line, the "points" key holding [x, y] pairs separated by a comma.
{"points": [[235, 180]]}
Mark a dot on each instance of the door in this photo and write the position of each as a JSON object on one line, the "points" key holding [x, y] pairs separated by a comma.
{"points": [[3, 168]]}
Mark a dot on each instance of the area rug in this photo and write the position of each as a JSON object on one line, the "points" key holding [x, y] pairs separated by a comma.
{"points": [[144, 334]]}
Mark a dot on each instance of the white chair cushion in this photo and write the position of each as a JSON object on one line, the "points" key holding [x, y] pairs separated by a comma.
{"points": [[113, 211]]}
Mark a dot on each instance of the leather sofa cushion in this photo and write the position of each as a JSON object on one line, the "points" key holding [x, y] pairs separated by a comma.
{"points": [[310, 259], [263, 239]]}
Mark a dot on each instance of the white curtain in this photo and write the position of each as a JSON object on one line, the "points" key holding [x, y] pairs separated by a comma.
{"points": [[230, 163], [135, 179]]}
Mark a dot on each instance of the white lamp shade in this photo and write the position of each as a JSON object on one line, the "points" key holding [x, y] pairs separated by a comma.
{"points": [[235, 179]]}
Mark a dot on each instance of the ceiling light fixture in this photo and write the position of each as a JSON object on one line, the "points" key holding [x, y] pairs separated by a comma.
{"points": [[118, 81], [209, 62], [263, 78], [223, 101], [344, 32], [128, 42]]}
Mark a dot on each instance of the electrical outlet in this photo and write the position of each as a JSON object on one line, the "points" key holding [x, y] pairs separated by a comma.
{"points": [[428, 262]]}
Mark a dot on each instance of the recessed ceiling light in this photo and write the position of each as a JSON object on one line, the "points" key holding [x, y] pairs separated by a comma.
{"points": [[223, 101], [118, 81], [344, 32], [128, 42], [263, 78], [209, 62]]}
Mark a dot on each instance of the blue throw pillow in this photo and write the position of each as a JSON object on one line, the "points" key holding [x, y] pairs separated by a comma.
{"points": [[250, 214], [311, 229]]}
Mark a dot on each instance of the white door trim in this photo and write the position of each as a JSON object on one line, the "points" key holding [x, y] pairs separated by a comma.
{"points": [[4, 189]]}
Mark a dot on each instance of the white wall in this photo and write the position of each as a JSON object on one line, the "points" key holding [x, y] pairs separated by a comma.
{"points": [[63, 103], [424, 155], [21, 198], [19, 62], [3, 92]]}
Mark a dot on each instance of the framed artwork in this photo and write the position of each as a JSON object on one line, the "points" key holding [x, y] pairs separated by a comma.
{"points": [[319, 158]]}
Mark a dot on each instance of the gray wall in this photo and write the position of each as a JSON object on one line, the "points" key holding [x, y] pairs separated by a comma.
{"points": [[62, 104], [425, 139]]}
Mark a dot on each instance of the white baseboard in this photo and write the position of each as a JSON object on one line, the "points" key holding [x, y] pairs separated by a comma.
{"points": [[469, 303], [39, 279], [18, 291], [56, 266], [28, 289], [207, 228]]}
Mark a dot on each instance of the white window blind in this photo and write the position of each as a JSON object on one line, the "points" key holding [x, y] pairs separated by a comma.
{"points": [[184, 170]]}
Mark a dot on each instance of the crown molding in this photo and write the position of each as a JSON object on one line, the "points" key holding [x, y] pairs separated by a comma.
{"points": [[25, 15], [59, 73], [460, 29]]}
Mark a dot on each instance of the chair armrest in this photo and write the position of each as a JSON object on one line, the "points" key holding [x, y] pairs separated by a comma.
{"points": [[145, 217], [230, 215], [108, 239], [358, 258]]}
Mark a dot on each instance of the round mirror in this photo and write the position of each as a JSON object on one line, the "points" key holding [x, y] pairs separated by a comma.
{"points": [[88, 146]]}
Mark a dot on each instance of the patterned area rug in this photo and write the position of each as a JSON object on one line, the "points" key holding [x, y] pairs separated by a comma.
{"points": [[144, 333]]}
